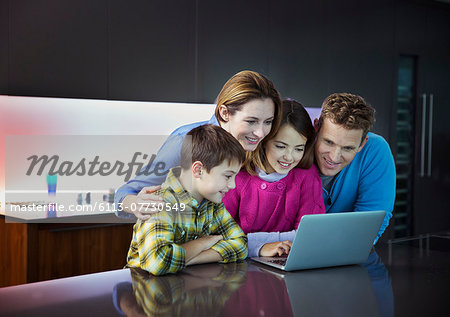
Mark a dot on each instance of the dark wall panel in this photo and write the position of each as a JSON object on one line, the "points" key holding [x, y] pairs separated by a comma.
{"points": [[232, 36], [152, 50], [4, 46], [298, 61], [361, 53], [58, 48], [410, 25]]}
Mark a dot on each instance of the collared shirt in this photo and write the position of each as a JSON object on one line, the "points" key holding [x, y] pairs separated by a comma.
{"points": [[271, 177], [156, 243], [327, 181]]}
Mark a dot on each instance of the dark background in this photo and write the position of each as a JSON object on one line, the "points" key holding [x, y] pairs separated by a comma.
{"points": [[185, 50]]}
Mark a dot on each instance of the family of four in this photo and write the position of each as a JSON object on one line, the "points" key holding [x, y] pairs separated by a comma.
{"points": [[247, 176]]}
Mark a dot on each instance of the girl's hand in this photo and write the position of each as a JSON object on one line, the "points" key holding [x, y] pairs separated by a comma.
{"points": [[276, 248]]}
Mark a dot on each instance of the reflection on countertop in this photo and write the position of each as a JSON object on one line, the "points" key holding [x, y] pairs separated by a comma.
{"points": [[248, 289], [196, 291]]}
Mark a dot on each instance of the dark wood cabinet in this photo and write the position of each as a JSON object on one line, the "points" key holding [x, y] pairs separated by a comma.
{"points": [[32, 252]]}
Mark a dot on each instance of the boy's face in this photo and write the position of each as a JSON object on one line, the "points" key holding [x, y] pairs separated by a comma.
{"points": [[213, 185]]}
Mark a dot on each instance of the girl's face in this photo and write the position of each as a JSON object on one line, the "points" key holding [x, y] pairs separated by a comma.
{"points": [[285, 150], [251, 124]]}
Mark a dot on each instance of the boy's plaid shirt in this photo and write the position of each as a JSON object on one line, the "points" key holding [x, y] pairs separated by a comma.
{"points": [[156, 243]]}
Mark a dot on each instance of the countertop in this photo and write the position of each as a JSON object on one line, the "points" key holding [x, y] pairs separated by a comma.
{"points": [[397, 280]]}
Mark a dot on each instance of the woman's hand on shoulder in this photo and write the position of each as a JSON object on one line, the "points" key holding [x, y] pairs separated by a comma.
{"points": [[276, 248], [144, 204]]}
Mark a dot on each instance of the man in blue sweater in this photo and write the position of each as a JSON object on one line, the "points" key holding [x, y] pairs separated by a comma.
{"points": [[356, 167]]}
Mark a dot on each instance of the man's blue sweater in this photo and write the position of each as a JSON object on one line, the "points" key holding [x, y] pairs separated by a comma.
{"points": [[367, 183]]}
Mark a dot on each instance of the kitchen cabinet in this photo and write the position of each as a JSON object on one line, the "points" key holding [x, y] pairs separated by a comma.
{"points": [[32, 252], [427, 39]]}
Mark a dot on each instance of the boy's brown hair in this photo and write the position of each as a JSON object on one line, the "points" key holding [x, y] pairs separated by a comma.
{"points": [[349, 111], [210, 145]]}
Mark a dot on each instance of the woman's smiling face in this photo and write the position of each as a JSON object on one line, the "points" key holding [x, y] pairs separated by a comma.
{"points": [[251, 124]]}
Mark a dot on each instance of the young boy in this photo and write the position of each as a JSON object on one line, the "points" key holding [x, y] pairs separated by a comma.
{"points": [[194, 226]]}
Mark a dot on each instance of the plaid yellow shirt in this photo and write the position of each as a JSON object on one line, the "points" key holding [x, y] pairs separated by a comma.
{"points": [[156, 243]]}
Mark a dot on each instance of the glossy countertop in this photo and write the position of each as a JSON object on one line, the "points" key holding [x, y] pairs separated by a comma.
{"points": [[397, 280]]}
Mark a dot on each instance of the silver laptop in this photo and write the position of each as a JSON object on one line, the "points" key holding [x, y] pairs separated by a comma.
{"points": [[330, 240]]}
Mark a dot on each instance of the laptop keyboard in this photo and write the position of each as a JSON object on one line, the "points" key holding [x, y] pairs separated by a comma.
{"points": [[279, 261]]}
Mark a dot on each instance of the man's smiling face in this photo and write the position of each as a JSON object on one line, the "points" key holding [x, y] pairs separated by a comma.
{"points": [[336, 147]]}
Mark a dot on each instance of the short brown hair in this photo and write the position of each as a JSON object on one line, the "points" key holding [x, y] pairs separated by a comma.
{"points": [[244, 87], [210, 145], [349, 111], [295, 115]]}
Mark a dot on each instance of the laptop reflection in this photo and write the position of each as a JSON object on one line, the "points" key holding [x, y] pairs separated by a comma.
{"points": [[338, 291]]}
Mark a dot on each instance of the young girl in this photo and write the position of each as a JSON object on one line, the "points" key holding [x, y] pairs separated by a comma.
{"points": [[278, 185]]}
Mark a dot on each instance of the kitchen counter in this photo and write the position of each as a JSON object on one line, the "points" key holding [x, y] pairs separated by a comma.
{"points": [[399, 279]]}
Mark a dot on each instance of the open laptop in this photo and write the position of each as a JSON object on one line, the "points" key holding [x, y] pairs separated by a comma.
{"points": [[330, 240]]}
